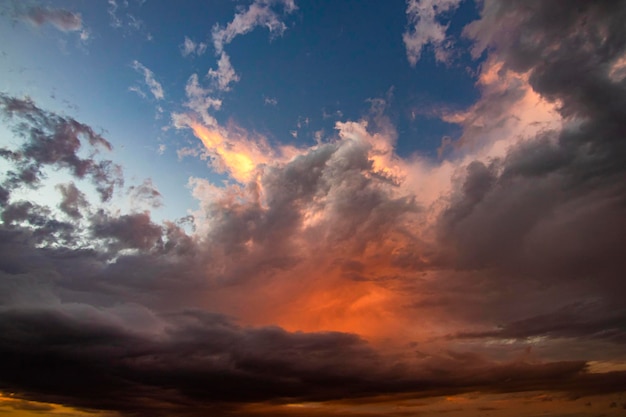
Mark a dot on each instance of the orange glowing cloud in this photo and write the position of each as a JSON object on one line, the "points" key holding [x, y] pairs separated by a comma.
{"points": [[238, 158], [342, 265]]}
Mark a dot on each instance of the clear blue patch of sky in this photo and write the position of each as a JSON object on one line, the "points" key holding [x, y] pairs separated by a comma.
{"points": [[335, 56]]}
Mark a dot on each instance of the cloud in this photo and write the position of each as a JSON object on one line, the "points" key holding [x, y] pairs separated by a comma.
{"points": [[333, 239], [537, 216], [134, 231], [153, 85], [340, 272], [225, 74], [426, 30], [74, 201], [146, 193], [190, 47], [232, 153], [259, 13], [61, 19], [571, 321], [200, 100], [53, 140], [121, 17], [224, 365]]}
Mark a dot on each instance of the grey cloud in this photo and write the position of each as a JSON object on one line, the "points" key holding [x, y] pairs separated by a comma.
{"points": [[146, 193], [204, 362], [73, 200], [62, 19], [543, 227], [53, 140], [538, 178], [129, 231], [573, 321]]}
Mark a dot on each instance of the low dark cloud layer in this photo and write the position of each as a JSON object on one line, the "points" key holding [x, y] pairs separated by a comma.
{"points": [[200, 362]]}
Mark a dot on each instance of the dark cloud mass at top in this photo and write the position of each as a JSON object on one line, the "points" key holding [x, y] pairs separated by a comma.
{"points": [[109, 310]]}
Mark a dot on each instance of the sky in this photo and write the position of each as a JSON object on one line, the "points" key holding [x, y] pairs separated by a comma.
{"points": [[312, 208]]}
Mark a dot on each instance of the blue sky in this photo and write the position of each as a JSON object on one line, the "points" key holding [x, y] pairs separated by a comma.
{"points": [[312, 208], [324, 65]]}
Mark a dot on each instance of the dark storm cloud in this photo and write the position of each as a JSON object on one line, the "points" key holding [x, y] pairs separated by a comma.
{"points": [[203, 361], [574, 321], [549, 217]]}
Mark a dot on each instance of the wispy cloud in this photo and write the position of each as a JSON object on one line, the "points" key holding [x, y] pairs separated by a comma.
{"points": [[426, 30], [153, 85], [259, 13], [225, 74], [121, 18], [200, 101], [270, 101], [189, 47]]}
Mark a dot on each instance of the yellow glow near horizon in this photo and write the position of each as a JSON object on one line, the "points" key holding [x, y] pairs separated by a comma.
{"points": [[12, 406]]}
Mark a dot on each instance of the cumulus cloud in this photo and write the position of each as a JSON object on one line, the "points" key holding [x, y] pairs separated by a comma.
{"points": [[153, 85], [426, 29]]}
